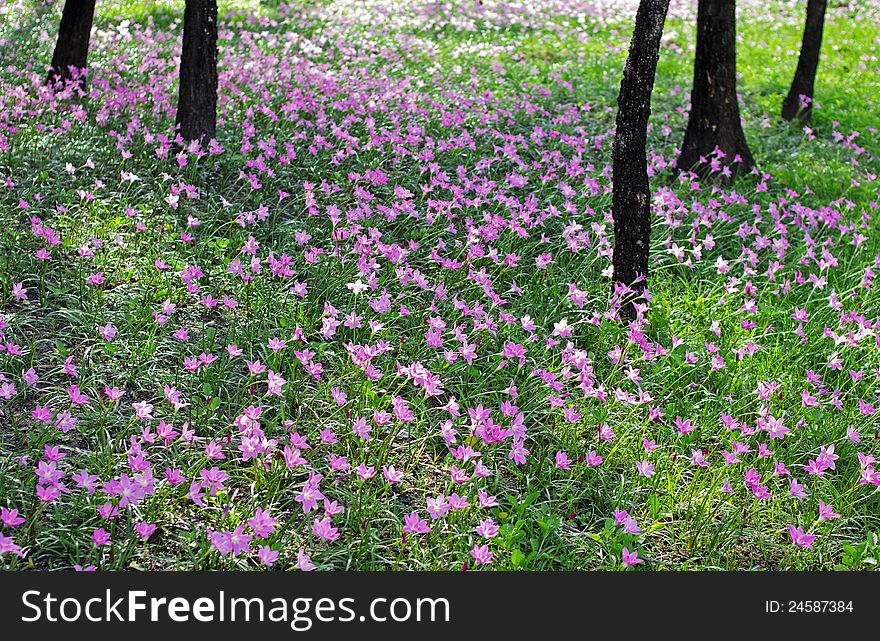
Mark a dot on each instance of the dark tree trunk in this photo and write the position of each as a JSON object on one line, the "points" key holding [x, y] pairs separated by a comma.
{"points": [[808, 62], [197, 102], [631, 196], [714, 120], [72, 46]]}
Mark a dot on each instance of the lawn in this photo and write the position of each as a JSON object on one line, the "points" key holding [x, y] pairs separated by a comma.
{"points": [[368, 327]]}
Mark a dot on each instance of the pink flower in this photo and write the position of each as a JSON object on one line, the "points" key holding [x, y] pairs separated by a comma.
{"points": [[481, 554], [364, 472], [108, 331], [518, 452], [10, 517], [630, 559], [414, 524], [800, 538], [631, 526], [487, 529], [324, 530], [797, 490], [392, 475], [361, 428], [95, 279], [684, 425], [698, 457], [437, 507], [485, 500], [309, 497], [262, 524], [18, 292], [303, 561], [100, 537], [562, 461], [543, 261], [143, 411], [645, 468], [266, 555], [826, 512], [42, 414], [8, 546], [145, 530], [775, 427]]}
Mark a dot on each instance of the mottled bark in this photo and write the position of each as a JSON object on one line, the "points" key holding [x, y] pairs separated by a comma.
{"points": [[808, 62], [714, 120], [631, 196], [197, 101], [72, 46]]}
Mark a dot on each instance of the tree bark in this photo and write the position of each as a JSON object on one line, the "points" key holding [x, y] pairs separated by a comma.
{"points": [[808, 62], [197, 100], [631, 196], [72, 46], [714, 120]]}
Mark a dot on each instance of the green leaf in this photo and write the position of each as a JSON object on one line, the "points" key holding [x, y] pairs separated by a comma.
{"points": [[653, 505], [517, 558], [678, 354]]}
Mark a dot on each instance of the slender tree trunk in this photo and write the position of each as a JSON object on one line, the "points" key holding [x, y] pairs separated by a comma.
{"points": [[197, 101], [808, 62], [714, 120], [72, 46], [631, 196]]}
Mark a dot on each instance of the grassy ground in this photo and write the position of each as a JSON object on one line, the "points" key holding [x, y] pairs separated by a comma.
{"points": [[417, 203]]}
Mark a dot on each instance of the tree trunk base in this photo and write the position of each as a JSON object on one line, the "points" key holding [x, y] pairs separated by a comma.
{"points": [[714, 143], [72, 46], [808, 62], [197, 99], [631, 194]]}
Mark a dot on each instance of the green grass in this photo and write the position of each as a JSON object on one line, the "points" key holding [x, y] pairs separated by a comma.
{"points": [[554, 73]]}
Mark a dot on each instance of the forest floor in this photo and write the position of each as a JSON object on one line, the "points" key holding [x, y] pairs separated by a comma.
{"points": [[369, 327]]}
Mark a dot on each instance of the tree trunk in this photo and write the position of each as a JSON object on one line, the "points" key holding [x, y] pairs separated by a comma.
{"points": [[72, 46], [714, 120], [197, 101], [808, 62], [631, 197]]}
